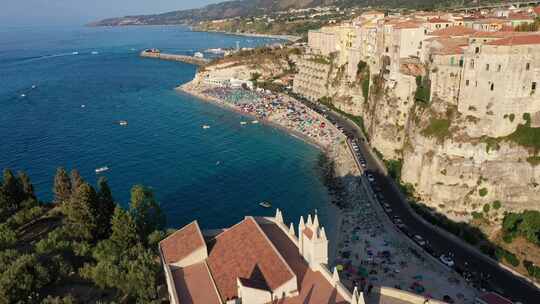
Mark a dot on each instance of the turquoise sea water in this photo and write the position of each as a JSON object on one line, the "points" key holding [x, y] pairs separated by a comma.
{"points": [[69, 119]]}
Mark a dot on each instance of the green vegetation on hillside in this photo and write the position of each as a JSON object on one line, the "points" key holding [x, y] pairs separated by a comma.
{"points": [[534, 160], [81, 248], [438, 128], [247, 9], [526, 135], [423, 90], [525, 224]]}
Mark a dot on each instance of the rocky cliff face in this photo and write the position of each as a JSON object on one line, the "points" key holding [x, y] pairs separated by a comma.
{"points": [[455, 163]]}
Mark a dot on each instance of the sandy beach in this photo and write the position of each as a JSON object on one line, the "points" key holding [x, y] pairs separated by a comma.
{"points": [[320, 133]]}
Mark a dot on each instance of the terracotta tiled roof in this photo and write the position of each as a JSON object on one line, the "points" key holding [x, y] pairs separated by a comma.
{"points": [[502, 34], [493, 298], [243, 251], [181, 243], [520, 16], [517, 40], [454, 31], [492, 20], [194, 285], [438, 20], [313, 287], [536, 10], [307, 231], [407, 25]]}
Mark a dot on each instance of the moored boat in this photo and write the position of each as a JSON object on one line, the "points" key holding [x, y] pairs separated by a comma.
{"points": [[102, 169], [265, 204]]}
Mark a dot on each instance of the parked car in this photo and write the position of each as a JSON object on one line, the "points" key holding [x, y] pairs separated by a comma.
{"points": [[447, 260], [419, 240]]}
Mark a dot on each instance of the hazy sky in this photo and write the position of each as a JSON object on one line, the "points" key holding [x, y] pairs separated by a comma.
{"points": [[58, 12]]}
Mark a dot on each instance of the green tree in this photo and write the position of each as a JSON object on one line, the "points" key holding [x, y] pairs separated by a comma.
{"points": [[511, 222], [12, 190], [123, 263], [530, 226], [140, 280], [134, 272], [82, 213], [145, 211], [62, 186], [26, 186], [57, 300], [76, 180], [106, 208], [8, 237], [4, 205], [124, 230], [22, 278]]}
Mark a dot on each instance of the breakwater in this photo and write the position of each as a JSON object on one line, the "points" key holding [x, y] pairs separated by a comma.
{"points": [[175, 57]]}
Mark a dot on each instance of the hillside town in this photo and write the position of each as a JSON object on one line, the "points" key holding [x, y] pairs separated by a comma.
{"points": [[448, 102]]}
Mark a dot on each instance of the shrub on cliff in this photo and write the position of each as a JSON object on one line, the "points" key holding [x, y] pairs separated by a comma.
{"points": [[483, 192], [526, 135], [526, 224], [394, 168], [438, 128], [423, 90], [532, 270], [502, 254]]}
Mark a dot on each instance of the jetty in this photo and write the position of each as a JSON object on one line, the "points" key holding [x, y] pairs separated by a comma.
{"points": [[155, 53]]}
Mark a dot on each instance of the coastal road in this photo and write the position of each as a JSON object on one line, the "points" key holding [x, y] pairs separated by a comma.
{"points": [[487, 274]]}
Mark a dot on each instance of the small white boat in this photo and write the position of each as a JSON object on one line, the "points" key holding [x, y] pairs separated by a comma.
{"points": [[23, 95], [243, 123], [206, 127], [123, 122], [102, 169], [265, 204], [34, 86], [95, 52], [83, 106], [255, 122], [75, 53]]}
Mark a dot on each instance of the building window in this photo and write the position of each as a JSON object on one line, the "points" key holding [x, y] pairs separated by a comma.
{"points": [[533, 87], [528, 66], [461, 61], [499, 67], [467, 82], [472, 63], [492, 87], [476, 83], [387, 49], [487, 67], [476, 50], [451, 60]]}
